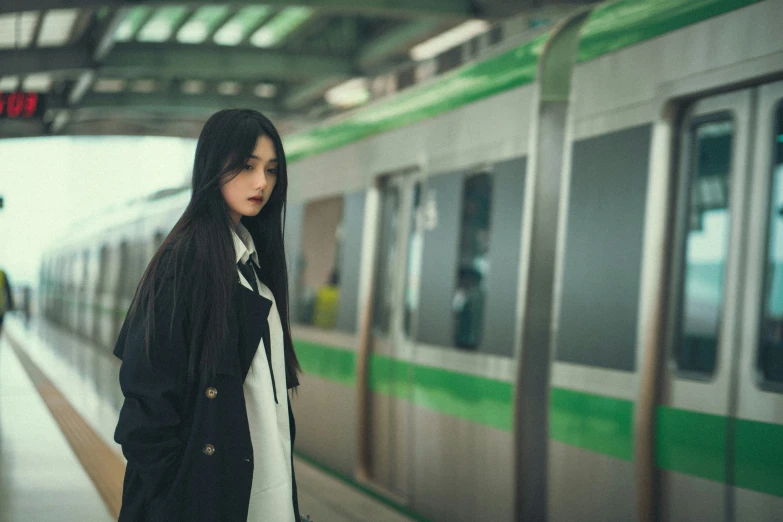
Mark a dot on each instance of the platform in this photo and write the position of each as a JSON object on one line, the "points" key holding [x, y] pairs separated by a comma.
{"points": [[59, 462]]}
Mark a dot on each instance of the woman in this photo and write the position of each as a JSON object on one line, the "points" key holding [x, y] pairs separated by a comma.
{"points": [[207, 357]]}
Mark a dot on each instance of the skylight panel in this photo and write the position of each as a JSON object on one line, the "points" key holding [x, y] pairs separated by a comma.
{"points": [[229, 88], [109, 85], [130, 25], [37, 82], [201, 24], [240, 25], [57, 27], [193, 86], [352, 93], [265, 90], [449, 39], [9, 83], [144, 86], [17, 29], [162, 23], [275, 30]]}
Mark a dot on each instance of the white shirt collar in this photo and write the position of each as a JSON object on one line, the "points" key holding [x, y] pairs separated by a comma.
{"points": [[243, 244]]}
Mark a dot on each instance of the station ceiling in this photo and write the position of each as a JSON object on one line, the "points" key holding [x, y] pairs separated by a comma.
{"points": [[151, 67]]}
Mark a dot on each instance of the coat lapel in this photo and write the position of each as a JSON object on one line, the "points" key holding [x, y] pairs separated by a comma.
{"points": [[254, 325]]}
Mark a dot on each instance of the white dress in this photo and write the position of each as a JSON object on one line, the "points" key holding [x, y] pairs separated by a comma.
{"points": [[271, 494]]}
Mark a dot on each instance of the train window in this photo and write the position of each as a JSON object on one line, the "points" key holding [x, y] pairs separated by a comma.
{"points": [[473, 262], [387, 252], [318, 283], [771, 339], [706, 247]]}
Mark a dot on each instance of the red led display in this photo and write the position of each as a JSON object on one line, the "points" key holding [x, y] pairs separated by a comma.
{"points": [[19, 104]]}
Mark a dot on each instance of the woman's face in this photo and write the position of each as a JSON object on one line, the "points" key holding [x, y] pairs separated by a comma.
{"points": [[247, 193]]}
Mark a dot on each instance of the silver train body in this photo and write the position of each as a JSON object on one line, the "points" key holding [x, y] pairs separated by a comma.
{"points": [[552, 302]]}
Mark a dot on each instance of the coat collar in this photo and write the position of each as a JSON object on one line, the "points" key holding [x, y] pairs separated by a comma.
{"points": [[244, 246]]}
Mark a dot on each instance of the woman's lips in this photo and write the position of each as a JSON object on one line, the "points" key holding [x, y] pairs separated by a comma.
{"points": [[257, 200]]}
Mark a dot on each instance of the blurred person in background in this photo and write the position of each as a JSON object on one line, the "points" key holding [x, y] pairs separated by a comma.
{"points": [[207, 356], [6, 297]]}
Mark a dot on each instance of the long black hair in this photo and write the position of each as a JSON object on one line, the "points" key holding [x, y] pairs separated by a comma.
{"points": [[198, 255]]}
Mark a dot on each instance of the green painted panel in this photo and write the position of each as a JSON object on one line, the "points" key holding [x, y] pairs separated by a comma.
{"points": [[477, 399], [758, 457], [390, 376], [467, 84], [276, 29], [615, 25], [325, 362], [592, 422], [691, 442], [686, 441]]}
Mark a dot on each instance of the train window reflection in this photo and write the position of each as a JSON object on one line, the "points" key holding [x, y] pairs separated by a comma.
{"points": [[771, 338], [319, 267], [706, 247], [413, 264], [473, 262]]}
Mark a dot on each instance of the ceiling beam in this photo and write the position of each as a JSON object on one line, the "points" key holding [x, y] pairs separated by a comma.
{"points": [[300, 97], [211, 62], [458, 9], [177, 60], [171, 102], [397, 39], [104, 42], [67, 60]]}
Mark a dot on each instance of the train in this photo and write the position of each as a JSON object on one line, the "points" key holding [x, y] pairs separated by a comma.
{"points": [[544, 285]]}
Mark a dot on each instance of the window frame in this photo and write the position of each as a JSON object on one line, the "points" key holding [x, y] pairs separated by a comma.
{"points": [[761, 382], [688, 160]]}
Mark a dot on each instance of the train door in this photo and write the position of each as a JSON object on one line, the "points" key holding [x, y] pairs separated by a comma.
{"points": [[393, 323], [757, 430], [697, 400]]}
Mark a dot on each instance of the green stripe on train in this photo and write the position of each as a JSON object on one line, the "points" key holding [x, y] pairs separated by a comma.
{"points": [[464, 85], [610, 27], [688, 442], [475, 399], [620, 24]]}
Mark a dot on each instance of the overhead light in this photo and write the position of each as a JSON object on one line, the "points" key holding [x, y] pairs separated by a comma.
{"points": [[21, 23], [201, 24], [144, 86], [193, 87], [162, 23], [131, 23], [229, 88], [57, 27], [349, 94], [9, 83], [109, 85], [265, 90], [240, 25], [275, 30], [451, 38], [37, 82]]}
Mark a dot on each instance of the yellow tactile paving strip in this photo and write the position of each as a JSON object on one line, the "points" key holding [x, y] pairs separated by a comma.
{"points": [[104, 467]]}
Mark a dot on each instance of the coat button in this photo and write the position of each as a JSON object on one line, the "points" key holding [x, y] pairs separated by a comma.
{"points": [[209, 450], [211, 392]]}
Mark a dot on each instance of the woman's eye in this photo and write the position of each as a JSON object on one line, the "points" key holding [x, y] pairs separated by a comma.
{"points": [[272, 171], [248, 167]]}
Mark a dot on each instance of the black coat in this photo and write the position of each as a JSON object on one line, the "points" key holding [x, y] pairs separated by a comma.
{"points": [[187, 439]]}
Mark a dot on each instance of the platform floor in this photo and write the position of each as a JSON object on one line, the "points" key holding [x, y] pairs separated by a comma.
{"points": [[47, 437]]}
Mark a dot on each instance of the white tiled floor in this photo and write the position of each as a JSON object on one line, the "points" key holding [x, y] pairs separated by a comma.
{"points": [[41, 480]]}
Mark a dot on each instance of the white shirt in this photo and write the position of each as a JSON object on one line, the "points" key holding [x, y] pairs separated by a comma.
{"points": [[271, 494]]}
